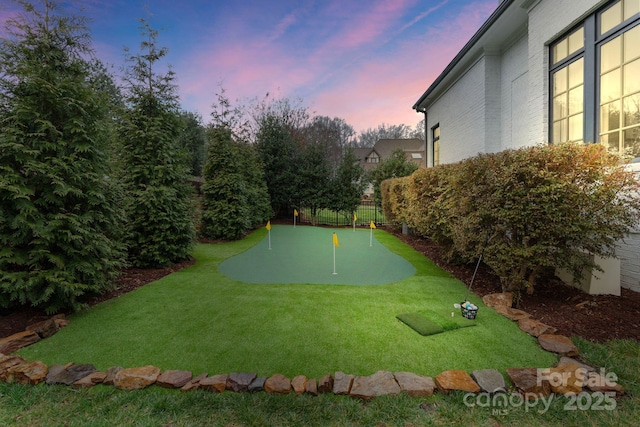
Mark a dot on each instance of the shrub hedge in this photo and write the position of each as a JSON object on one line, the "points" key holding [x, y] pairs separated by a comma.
{"points": [[548, 206]]}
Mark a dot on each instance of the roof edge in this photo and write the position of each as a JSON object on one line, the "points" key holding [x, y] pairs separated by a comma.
{"points": [[502, 7]]}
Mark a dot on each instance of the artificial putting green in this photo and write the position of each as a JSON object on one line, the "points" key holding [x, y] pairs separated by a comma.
{"points": [[200, 320], [305, 254]]}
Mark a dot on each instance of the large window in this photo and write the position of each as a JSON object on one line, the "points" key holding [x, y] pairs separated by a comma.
{"points": [[602, 54]]}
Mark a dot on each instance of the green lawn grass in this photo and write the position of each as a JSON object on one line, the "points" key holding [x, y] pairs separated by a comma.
{"points": [[199, 320]]}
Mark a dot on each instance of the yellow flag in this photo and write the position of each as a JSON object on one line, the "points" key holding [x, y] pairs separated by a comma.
{"points": [[335, 240], [355, 217], [372, 225], [268, 225], [295, 212]]}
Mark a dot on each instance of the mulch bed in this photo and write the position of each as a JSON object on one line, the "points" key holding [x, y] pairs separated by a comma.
{"points": [[596, 318]]}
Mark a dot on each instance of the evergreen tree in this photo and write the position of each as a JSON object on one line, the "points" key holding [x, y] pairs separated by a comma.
{"points": [[159, 209], [59, 213], [193, 140], [235, 196], [277, 151], [348, 185], [313, 177]]}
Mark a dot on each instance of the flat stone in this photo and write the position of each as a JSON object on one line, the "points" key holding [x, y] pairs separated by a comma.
{"points": [[415, 385], [490, 380], [29, 373], [111, 375], [278, 384], [564, 360], [311, 387], [136, 378], [216, 383], [342, 383], [529, 382], [44, 329], [456, 379], [174, 379], [17, 341], [511, 313], [566, 379], [535, 328], [194, 384], [558, 344], [382, 383], [504, 299], [7, 361], [603, 383], [325, 385], [90, 380], [257, 384], [68, 374], [239, 382], [299, 384]]}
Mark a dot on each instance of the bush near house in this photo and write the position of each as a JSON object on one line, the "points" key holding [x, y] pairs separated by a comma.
{"points": [[541, 207]]}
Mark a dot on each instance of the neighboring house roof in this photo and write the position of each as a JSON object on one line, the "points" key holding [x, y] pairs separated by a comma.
{"points": [[414, 149], [509, 18]]}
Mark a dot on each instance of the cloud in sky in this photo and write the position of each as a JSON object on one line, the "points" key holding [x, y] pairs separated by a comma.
{"points": [[364, 62]]}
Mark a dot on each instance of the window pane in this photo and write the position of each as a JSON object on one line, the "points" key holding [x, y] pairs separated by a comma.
{"points": [[575, 128], [560, 131], [632, 44], [610, 86], [632, 110], [576, 40], [560, 106], [560, 50], [609, 117], [612, 142], [632, 77], [610, 55], [631, 7], [560, 81], [632, 141], [575, 100], [576, 73], [611, 17]]}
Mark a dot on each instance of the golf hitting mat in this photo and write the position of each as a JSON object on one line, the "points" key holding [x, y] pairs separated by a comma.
{"points": [[305, 254], [425, 327]]}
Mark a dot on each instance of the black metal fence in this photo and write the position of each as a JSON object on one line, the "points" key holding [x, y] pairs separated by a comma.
{"points": [[365, 214]]}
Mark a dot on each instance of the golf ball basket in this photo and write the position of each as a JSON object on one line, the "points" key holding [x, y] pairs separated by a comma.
{"points": [[469, 311]]}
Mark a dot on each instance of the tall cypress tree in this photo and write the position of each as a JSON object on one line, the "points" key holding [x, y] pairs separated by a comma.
{"points": [[159, 209], [59, 215]]}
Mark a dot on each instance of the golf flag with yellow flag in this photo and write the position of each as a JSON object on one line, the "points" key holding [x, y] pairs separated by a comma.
{"points": [[354, 222], [268, 227], [295, 212], [295, 215], [335, 245], [371, 226]]}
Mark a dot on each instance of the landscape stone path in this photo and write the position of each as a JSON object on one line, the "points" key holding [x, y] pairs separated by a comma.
{"points": [[569, 376]]}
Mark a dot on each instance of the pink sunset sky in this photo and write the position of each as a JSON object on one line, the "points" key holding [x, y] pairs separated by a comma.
{"points": [[364, 62]]}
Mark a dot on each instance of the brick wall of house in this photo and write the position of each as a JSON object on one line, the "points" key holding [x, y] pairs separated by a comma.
{"points": [[460, 111]]}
